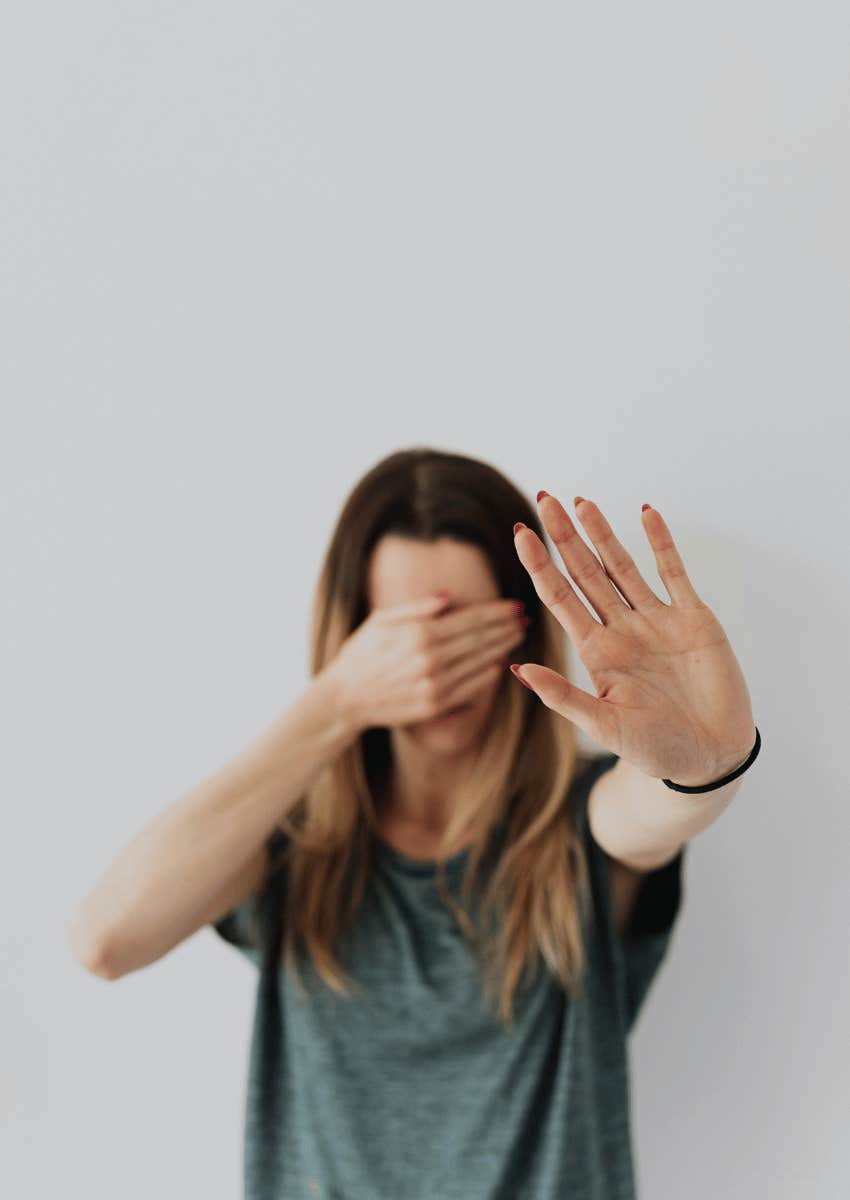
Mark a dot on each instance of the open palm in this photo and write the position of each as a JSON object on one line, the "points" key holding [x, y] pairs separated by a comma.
{"points": [[671, 696]]}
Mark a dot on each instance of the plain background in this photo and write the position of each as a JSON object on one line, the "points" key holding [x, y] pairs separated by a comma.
{"points": [[250, 249]]}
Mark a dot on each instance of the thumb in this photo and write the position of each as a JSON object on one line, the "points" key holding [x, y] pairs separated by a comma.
{"points": [[588, 712]]}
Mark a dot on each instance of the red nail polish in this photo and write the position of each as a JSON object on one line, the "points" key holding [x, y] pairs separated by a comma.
{"points": [[577, 501], [519, 525], [541, 493], [515, 669], [645, 507]]}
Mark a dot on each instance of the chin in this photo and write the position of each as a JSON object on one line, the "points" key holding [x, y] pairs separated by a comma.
{"points": [[454, 730], [451, 730]]}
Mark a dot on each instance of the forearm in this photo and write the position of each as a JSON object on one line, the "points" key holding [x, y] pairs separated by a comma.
{"points": [[159, 888], [640, 821]]}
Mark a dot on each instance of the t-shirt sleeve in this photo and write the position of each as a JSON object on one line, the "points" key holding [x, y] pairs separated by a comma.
{"points": [[637, 954], [246, 926]]}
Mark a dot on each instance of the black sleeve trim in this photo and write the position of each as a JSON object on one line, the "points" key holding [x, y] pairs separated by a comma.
{"points": [[658, 900]]}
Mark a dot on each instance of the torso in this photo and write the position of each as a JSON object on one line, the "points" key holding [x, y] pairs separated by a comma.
{"points": [[417, 843]]}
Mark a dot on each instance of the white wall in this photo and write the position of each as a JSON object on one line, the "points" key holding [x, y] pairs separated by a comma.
{"points": [[249, 250]]}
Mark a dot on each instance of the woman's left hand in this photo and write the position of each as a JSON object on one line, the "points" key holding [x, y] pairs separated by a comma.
{"points": [[672, 699]]}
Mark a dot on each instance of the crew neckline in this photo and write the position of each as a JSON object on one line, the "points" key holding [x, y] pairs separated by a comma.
{"points": [[428, 866], [417, 866]]}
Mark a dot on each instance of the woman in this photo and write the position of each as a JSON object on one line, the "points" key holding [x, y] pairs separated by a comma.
{"points": [[455, 916]]}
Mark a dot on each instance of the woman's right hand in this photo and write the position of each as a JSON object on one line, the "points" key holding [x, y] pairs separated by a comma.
{"points": [[416, 661]]}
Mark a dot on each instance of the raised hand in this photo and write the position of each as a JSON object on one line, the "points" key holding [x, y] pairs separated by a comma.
{"points": [[671, 697]]}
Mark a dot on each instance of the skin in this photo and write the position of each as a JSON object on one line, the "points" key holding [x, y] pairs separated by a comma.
{"points": [[430, 759], [671, 698]]}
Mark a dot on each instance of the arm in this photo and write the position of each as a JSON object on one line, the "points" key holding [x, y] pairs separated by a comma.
{"points": [[198, 856], [671, 699], [642, 823]]}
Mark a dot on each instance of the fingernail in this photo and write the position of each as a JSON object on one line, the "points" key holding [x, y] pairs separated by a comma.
{"points": [[577, 501], [519, 606], [515, 669], [519, 525], [645, 507], [541, 493]]}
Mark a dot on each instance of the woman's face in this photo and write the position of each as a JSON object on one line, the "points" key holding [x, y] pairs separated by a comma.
{"points": [[403, 569]]}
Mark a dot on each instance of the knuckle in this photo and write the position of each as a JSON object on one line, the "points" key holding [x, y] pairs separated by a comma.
{"points": [[587, 570], [432, 664], [422, 664], [562, 593], [622, 563]]}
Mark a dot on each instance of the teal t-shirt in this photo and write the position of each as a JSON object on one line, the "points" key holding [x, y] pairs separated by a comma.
{"points": [[411, 1089]]}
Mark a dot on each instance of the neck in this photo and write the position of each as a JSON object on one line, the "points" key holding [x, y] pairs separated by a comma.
{"points": [[420, 789]]}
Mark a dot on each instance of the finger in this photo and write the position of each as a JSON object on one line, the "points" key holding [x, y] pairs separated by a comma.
{"points": [[551, 586], [589, 713], [618, 563], [584, 567], [667, 559], [480, 657], [470, 684], [478, 616], [510, 630], [427, 606]]}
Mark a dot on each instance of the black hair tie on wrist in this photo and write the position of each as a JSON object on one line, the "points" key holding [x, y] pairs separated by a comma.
{"points": [[710, 787]]}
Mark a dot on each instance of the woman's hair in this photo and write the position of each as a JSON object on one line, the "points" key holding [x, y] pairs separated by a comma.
{"points": [[517, 799]]}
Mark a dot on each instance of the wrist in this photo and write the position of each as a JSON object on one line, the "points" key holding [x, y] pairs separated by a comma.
{"points": [[724, 767], [333, 699], [736, 759], [732, 765]]}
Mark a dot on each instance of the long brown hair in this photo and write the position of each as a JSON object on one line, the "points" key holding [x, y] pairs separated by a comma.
{"points": [[528, 756]]}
